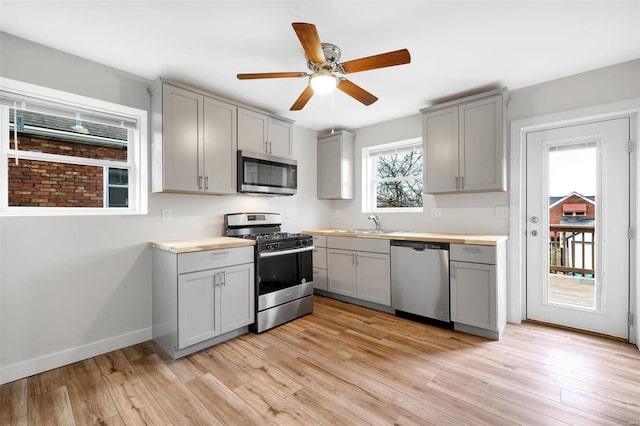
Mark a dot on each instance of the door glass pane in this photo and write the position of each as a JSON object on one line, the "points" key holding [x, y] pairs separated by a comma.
{"points": [[572, 225]]}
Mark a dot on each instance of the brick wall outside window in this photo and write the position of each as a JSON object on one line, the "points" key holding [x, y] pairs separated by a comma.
{"points": [[47, 184]]}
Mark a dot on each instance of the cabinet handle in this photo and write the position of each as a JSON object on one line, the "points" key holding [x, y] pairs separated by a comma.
{"points": [[200, 182], [357, 259], [457, 183], [216, 279], [472, 249], [219, 252], [461, 182], [266, 147], [270, 147], [224, 278], [353, 258], [206, 182]]}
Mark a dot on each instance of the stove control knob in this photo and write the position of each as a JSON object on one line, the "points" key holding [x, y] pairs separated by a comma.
{"points": [[276, 245], [269, 246], [305, 242]]}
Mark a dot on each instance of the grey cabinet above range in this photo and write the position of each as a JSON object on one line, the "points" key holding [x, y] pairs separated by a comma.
{"points": [[195, 136]]}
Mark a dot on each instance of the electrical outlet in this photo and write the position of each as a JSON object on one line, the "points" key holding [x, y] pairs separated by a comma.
{"points": [[502, 211], [436, 212], [166, 215]]}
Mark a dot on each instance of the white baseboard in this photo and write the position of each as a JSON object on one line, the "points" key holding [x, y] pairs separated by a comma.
{"points": [[37, 365]]}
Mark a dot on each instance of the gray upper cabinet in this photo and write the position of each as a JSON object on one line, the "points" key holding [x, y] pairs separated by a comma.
{"points": [[336, 166], [193, 142], [465, 144], [261, 133]]}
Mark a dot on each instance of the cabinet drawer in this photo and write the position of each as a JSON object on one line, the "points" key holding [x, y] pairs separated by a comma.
{"points": [[473, 253], [373, 245], [319, 240], [320, 257], [320, 279], [210, 259]]}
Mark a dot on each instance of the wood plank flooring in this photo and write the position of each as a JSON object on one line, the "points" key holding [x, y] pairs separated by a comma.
{"points": [[345, 365]]}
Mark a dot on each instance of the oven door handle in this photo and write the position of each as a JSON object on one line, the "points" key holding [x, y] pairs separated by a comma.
{"points": [[283, 252]]}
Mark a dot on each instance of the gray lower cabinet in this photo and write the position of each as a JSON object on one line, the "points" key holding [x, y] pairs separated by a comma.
{"points": [[201, 298], [477, 285], [320, 263], [360, 268]]}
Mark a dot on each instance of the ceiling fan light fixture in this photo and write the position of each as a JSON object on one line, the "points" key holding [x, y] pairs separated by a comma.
{"points": [[323, 83]]}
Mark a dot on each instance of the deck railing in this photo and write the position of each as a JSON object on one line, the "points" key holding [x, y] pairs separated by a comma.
{"points": [[572, 249]]}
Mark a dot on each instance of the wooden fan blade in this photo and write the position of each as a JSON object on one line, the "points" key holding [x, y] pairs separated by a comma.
{"points": [[302, 99], [356, 92], [389, 59], [271, 75], [310, 41]]}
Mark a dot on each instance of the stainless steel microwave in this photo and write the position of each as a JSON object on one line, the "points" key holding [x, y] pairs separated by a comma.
{"points": [[266, 174]]}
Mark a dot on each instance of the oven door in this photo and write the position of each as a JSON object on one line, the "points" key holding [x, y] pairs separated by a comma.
{"points": [[283, 276]]}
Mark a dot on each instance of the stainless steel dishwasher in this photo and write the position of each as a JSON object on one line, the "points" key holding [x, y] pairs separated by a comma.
{"points": [[420, 279]]}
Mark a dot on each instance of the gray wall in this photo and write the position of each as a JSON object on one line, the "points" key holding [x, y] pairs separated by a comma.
{"points": [[597, 87], [73, 284]]}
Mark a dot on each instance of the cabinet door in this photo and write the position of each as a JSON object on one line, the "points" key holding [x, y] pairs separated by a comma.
{"points": [[329, 168], [218, 149], [181, 135], [320, 279], [482, 153], [252, 131], [341, 269], [440, 147], [280, 137], [198, 319], [373, 272], [237, 298], [473, 294]]}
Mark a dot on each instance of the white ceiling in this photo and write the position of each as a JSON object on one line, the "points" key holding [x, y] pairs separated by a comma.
{"points": [[455, 46]]}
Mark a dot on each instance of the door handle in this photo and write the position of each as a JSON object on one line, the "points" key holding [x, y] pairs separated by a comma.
{"points": [[534, 233], [534, 219]]}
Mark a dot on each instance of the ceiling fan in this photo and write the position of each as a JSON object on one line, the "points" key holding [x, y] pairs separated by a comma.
{"points": [[323, 59]]}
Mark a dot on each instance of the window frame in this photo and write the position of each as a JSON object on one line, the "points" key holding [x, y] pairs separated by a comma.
{"points": [[369, 177], [137, 159]]}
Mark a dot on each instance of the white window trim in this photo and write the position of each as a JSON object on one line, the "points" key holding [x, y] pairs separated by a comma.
{"points": [[368, 185], [137, 152]]}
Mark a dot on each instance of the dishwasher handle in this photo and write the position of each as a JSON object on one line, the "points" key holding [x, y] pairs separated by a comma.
{"points": [[420, 245]]}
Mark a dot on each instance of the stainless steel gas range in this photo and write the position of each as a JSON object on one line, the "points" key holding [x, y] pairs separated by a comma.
{"points": [[284, 268]]}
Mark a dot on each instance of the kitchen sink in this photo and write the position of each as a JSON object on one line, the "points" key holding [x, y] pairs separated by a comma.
{"points": [[365, 231]]}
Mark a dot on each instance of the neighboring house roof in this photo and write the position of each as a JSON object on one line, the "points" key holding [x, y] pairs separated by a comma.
{"points": [[46, 122], [553, 201]]}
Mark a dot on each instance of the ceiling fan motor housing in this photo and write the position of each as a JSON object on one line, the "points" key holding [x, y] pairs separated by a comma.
{"points": [[332, 55]]}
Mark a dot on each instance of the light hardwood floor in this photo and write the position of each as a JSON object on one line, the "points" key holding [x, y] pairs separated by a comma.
{"points": [[346, 365]]}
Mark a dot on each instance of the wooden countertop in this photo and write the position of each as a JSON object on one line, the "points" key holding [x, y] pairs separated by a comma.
{"points": [[485, 240], [199, 244]]}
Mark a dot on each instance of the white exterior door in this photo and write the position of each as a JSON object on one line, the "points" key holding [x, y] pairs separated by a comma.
{"points": [[578, 256]]}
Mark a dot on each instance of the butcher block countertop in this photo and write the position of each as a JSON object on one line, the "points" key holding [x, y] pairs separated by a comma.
{"points": [[485, 240], [199, 244]]}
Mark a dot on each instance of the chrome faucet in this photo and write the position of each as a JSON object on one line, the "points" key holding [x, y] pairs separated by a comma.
{"points": [[376, 219]]}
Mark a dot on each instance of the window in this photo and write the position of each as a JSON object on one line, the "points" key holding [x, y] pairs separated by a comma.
{"points": [[67, 154], [392, 177]]}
